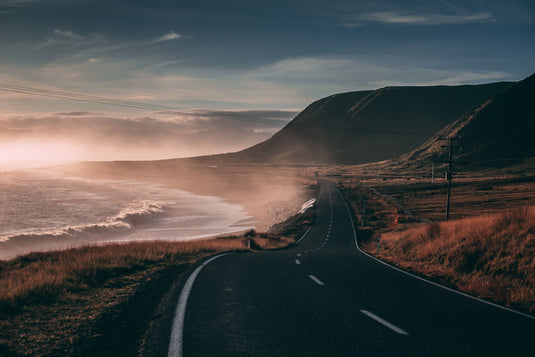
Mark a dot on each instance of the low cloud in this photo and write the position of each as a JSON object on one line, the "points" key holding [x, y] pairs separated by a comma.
{"points": [[98, 136], [421, 19]]}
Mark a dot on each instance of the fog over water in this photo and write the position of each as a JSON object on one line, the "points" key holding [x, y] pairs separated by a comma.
{"points": [[42, 211]]}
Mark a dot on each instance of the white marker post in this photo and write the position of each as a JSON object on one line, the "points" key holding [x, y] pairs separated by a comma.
{"points": [[378, 244]]}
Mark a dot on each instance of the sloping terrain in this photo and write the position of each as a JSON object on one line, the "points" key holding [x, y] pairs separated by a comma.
{"points": [[498, 133], [368, 126]]}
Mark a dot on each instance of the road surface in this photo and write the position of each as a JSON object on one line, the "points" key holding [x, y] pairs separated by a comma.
{"points": [[326, 298]]}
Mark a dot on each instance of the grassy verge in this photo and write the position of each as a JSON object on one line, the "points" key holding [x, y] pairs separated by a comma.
{"points": [[490, 256], [69, 302]]}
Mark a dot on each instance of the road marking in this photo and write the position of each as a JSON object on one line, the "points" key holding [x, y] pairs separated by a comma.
{"points": [[384, 322], [177, 331], [304, 235], [297, 261], [299, 254], [316, 280]]}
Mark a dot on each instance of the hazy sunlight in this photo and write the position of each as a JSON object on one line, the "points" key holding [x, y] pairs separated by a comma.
{"points": [[15, 154]]}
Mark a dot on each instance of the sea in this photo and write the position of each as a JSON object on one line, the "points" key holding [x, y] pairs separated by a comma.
{"points": [[41, 210]]}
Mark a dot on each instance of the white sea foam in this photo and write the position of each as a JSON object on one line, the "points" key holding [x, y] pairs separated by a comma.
{"points": [[40, 211]]}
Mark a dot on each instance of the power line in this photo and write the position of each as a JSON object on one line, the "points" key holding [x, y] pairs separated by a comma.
{"points": [[83, 97], [108, 101]]}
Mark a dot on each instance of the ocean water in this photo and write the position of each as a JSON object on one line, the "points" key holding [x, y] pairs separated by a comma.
{"points": [[41, 210]]}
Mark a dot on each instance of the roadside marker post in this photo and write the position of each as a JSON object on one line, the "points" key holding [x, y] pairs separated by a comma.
{"points": [[378, 244]]}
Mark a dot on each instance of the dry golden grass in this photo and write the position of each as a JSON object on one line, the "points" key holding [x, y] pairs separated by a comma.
{"points": [[43, 277], [491, 256], [51, 303]]}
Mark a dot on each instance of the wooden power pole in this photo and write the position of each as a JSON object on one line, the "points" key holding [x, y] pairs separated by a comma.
{"points": [[449, 173]]}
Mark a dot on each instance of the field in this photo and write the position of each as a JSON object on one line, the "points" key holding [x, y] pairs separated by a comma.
{"points": [[487, 248]]}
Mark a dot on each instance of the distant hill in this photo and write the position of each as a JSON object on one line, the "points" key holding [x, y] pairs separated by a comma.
{"points": [[368, 126], [498, 133]]}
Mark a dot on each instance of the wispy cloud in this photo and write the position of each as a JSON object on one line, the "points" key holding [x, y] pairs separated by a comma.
{"points": [[350, 13], [12, 6], [67, 34], [170, 63], [71, 39], [414, 18], [348, 74], [169, 37], [289, 83]]}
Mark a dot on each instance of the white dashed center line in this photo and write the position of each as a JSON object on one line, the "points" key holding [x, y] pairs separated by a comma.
{"points": [[316, 280], [297, 261], [384, 322]]}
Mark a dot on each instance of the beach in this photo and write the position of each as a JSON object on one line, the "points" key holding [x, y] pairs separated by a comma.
{"points": [[44, 210]]}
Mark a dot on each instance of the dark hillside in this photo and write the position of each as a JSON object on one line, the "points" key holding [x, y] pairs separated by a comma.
{"points": [[498, 133], [367, 126]]}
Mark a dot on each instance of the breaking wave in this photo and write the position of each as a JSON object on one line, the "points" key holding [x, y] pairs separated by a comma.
{"points": [[136, 215]]}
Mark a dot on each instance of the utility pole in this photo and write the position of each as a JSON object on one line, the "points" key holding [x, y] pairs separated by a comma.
{"points": [[449, 173]]}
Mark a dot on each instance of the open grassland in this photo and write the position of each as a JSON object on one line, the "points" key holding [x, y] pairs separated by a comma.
{"points": [[60, 303], [488, 250], [469, 197], [423, 194]]}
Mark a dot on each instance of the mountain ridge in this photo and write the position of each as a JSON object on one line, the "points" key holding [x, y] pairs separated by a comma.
{"points": [[499, 131], [367, 126]]}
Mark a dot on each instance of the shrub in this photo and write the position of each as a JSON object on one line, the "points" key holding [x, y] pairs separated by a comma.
{"points": [[251, 233]]}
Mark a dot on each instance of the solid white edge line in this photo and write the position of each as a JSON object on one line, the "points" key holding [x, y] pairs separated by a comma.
{"points": [[316, 280], [423, 279], [177, 331], [304, 235], [384, 322]]}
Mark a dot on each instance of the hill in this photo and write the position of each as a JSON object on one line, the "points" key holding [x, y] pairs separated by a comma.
{"points": [[498, 133], [367, 126]]}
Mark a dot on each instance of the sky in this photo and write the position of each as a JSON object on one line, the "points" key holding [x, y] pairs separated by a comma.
{"points": [[231, 73]]}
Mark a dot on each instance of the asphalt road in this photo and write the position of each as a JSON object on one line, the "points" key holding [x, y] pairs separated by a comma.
{"points": [[326, 298]]}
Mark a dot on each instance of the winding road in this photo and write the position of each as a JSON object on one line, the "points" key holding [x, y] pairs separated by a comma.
{"points": [[324, 297]]}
